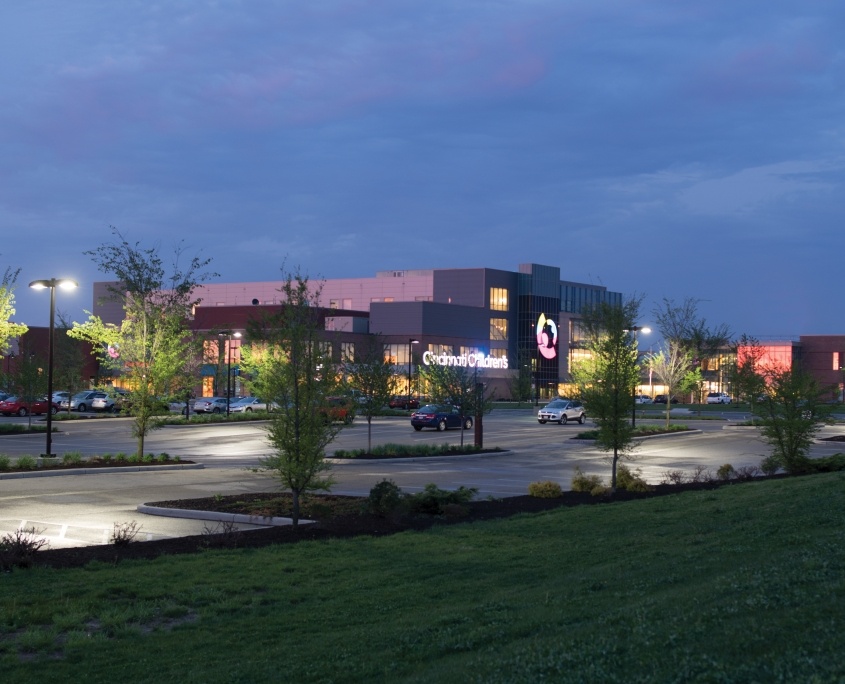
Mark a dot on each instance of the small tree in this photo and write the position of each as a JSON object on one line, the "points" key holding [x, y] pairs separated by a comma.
{"points": [[295, 368], [372, 374], [746, 374], [8, 330], [28, 379], [457, 385], [790, 415], [673, 367], [151, 345], [607, 377], [69, 360], [521, 383]]}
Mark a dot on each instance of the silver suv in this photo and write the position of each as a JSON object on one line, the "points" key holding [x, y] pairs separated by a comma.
{"points": [[562, 411]]}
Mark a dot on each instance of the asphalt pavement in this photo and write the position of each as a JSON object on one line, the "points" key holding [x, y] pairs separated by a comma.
{"points": [[74, 510]]}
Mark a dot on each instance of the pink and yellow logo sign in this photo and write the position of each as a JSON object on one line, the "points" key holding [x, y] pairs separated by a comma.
{"points": [[546, 337]]}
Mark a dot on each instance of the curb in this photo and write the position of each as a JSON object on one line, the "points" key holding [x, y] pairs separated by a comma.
{"points": [[217, 517], [99, 471], [413, 459]]}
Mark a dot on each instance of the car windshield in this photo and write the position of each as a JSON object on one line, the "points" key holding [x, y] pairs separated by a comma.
{"points": [[81, 395], [428, 409], [557, 403], [244, 400]]}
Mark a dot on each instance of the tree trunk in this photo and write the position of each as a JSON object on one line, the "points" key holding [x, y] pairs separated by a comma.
{"points": [[294, 514]]}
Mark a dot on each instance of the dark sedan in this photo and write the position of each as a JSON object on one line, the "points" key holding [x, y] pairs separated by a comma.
{"points": [[440, 417], [661, 399]]}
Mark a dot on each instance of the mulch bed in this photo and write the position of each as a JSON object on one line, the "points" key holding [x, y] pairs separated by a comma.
{"points": [[97, 463], [339, 527]]}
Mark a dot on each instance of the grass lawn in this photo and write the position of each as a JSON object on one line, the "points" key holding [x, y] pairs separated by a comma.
{"points": [[740, 584]]}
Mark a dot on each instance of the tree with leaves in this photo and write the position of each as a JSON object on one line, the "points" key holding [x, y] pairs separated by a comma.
{"points": [[292, 364], [372, 374], [607, 376], [681, 325], [791, 412], [8, 330], [521, 383], [747, 373], [673, 367], [457, 385], [28, 379], [153, 343]]}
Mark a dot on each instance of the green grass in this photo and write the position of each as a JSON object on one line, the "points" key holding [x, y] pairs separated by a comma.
{"points": [[740, 584]]}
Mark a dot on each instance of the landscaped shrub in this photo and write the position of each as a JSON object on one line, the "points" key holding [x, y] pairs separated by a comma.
{"points": [[432, 499], [163, 457], [18, 548], [674, 477], [72, 458], [546, 489], [5, 462], [631, 481], [124, 533], [385, 498], [120, 457], [747, 472], [770, 465], [586, 483], [726, 472], [829, 464], [701, 474], [26, 463]]}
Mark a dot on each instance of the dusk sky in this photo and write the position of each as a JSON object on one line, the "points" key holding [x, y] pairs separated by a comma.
{"points": [[661, 147]]}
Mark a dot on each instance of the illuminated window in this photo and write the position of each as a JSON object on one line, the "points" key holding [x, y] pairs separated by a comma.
{"points": [[499, 353], [499, 298], [498, 329], [347, 351], [836, 364]]}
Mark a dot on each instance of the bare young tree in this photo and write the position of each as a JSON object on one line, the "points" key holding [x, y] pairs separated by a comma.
{"points": [[673, 367]]}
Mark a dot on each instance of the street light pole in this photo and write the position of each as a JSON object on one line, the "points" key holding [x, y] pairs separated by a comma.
{"points": [[636, 329], [410, 342], [52, 284]]}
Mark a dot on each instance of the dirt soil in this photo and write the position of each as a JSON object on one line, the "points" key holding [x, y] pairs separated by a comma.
{"points": [[336, 516]]}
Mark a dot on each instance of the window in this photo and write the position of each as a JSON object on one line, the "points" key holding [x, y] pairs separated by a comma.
{"points": [[836, 364], [347, 351], [498, 329], [499, 298], [334, 303], [347, 304], [499, 353]]}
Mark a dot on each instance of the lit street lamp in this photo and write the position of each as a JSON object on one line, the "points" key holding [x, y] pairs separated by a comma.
{"points": [[228, 334], [410, 342], [645, 330], [52, 284]]}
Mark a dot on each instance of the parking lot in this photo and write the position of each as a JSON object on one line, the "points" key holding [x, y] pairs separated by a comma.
{"points": [[83, 509]]}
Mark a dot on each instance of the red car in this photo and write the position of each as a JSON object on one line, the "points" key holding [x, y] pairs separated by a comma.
{"points": [[19, 407]]}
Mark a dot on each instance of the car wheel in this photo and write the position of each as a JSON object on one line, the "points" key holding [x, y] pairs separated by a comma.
{"points": [[248, 410], [542, 422], [21, 411], [467, 423], [417, 427], [53, 410], [562, 420], [582, 419], [441, 426], [81, 408], [215, 410]]}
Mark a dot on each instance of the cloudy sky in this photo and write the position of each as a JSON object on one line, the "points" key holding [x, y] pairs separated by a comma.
{"points": [[668, 148]]}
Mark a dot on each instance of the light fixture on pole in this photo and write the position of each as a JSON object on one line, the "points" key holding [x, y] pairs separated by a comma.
{"points": [[645, 330], [51, 284], [228, 334], [410, 342]]}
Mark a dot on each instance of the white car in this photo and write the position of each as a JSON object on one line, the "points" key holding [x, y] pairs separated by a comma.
{"points": [[561, 411], [247, 405], [718, 398], [642, 399], [210, 405]]}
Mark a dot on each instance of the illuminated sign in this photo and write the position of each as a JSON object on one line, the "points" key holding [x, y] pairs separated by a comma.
{"points": [[471, 360], [546, 337]]}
